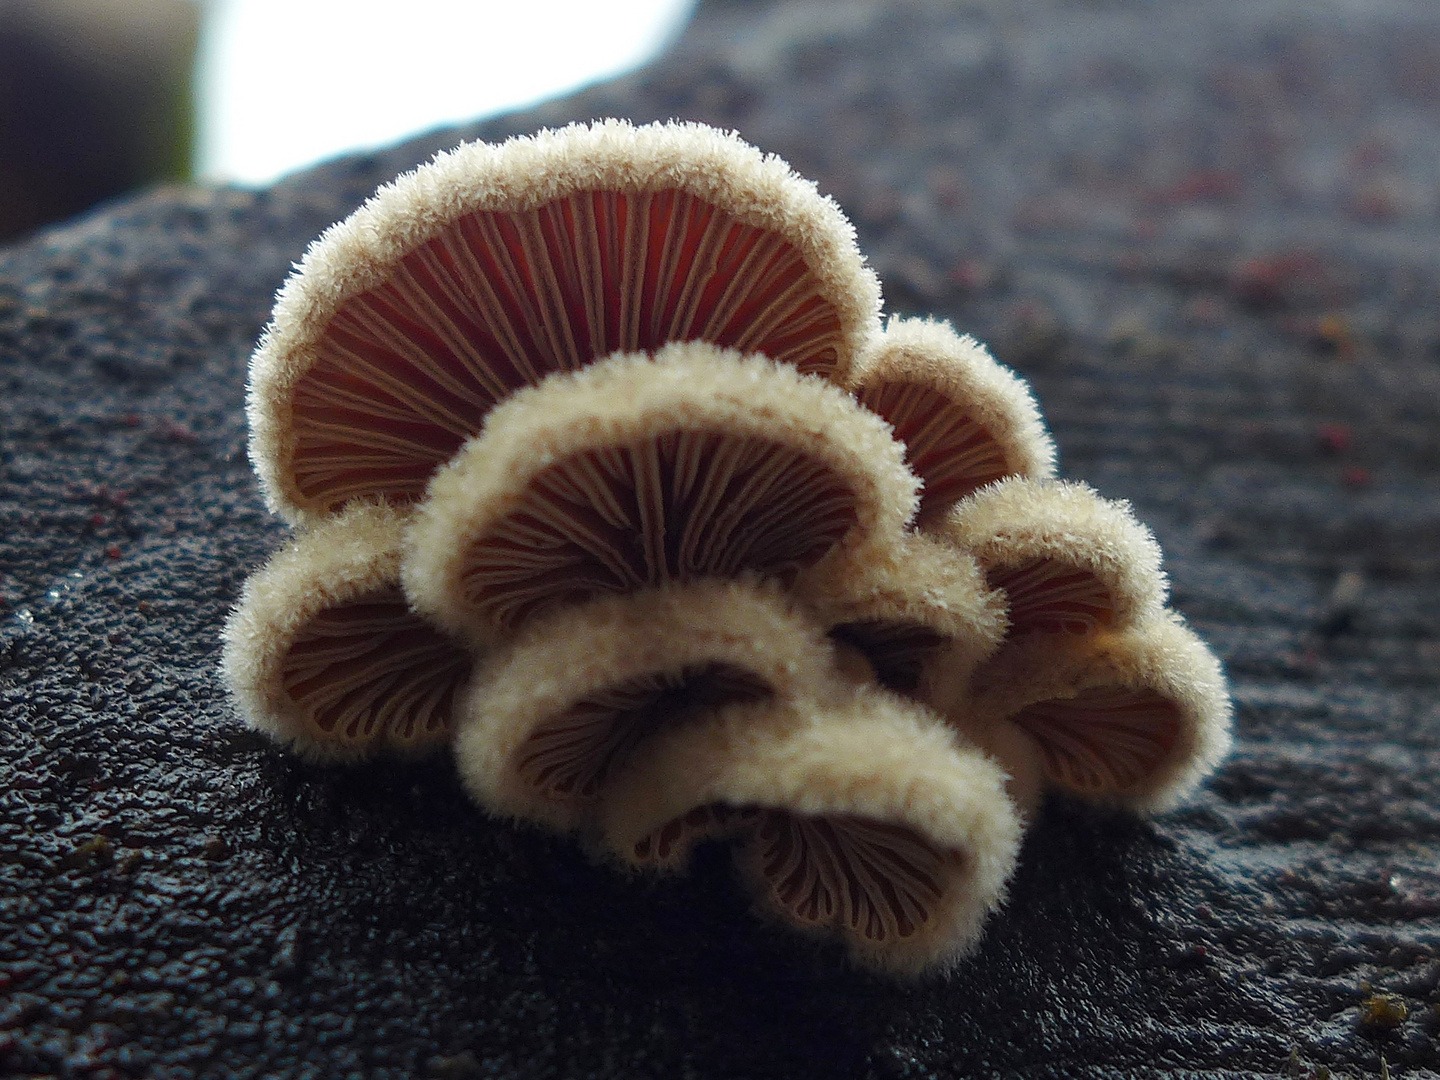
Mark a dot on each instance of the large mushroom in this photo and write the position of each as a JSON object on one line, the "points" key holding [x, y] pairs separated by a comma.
{"points": [[609, 476], [496, 265]]}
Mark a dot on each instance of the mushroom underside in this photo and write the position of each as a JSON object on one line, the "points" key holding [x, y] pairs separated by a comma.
{"points": [[406, 371], [1103, 741], [896, 650], [684, 505], [1048, 595], [876, 881], [567, 757], [952, 453], [370, 669]]}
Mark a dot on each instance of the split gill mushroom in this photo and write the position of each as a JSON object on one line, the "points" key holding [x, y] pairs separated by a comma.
{"points": [[496, 265], [1133, 718], [965, 420], [916, 609], [605, 473], [323, 654], [1067, 560], [568, 700], [857, 815], [640, 470]]}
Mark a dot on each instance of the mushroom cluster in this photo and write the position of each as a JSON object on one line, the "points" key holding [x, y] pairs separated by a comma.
{"points": [[604, 471]]}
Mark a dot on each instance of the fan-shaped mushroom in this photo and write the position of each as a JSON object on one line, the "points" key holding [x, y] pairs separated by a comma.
{"points": [[1135, 718], [964, 419], [1066, 559], [860, 815], [494, 266], [567, 701], [323, 653], [637, 471]]}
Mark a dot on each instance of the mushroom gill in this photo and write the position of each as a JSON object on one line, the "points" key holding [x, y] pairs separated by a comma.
{"points": [[323, 653], [965, 420], [874, 880], [857, 815], [1135, 717], [494, 266], [1104, 739], [638, 471], [914, 607], [557, 710], [1067, 560]]}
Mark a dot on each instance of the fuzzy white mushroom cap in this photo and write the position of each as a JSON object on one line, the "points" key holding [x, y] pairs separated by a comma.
{"points": [[494, 265], [913, 605], [1066, 558], [323, 654], [1135, 718], [965, 420], [859, 815]]}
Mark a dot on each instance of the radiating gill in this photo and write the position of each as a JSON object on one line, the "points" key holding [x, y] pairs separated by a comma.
{"points": [[407, 370]]}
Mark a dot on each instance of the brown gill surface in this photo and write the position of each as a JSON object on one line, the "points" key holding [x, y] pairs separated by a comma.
{"points": [[877, 881], [683, 505], [896, 650], [407, 370], [670, 845], [1103, 741], [944, 445], [1047, 595], [370, 669], [568, 756]]}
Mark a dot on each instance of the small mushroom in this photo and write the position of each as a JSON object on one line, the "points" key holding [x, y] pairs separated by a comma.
{"points": [[965, 420], [858, 815], [323, 654], [496, 265], [568, 701], [1066, 559], [638, 471], [908, 604], [1135, 718]]}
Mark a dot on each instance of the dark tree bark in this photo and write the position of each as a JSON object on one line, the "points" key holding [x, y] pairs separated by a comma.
{"points": [[1206, 231]]}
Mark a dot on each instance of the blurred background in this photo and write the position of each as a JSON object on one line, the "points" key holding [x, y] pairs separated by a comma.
{"points": [[99, 97]]}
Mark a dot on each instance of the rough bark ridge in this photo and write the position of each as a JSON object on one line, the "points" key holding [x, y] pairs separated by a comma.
{"points": [[1207, 231]]}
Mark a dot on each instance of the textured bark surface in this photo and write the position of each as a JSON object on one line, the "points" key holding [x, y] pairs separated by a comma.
{"points": [[1207, 231]]}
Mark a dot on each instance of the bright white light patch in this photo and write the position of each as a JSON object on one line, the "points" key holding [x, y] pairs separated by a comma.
{"points": [[286, 83]]}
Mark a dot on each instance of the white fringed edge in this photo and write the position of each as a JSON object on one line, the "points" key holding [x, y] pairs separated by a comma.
{"points": [[1017, 521]]}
